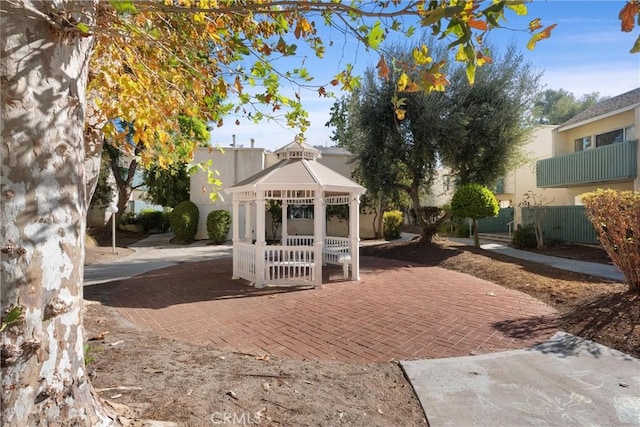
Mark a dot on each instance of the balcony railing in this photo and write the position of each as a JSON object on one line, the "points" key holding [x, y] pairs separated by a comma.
{"points": [[614, 162]]}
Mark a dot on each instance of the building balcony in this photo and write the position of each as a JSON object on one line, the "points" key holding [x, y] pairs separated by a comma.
{"points": [[615, 162]]}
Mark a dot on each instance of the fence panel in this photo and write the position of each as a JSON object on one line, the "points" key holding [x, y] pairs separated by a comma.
{"points": [[566, 223], [496, 224]]}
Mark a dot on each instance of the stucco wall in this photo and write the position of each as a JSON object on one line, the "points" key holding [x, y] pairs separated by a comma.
{"points": [[233, 165], [564, 139]]}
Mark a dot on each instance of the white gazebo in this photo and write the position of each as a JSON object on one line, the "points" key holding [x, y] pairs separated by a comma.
{"points": [[297, 179]]}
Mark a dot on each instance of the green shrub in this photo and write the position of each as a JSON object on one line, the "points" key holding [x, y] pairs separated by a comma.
{"points": [[391, 222], [153, 220], [461, 227], [525, 237], [184, 220], [218, 224], [129, 218]]}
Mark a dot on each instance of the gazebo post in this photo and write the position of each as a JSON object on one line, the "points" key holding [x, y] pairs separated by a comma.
{"points": [[235, 237], [318, 219], [354, 235], [260, 242], [285, 225], [247, 222]]}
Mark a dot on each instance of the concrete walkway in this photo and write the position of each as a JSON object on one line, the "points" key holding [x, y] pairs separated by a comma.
{"points": [[607, 271], [153, 253], [566, 381]]}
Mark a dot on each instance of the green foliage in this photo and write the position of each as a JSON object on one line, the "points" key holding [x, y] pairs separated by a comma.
{"points": [[474, 201], [13, 317], [129, 218], [274, 207], [218, 225], [88, 358], [525, 237], [461, 227], [484, 126], [104, 193], [338, 211], [616, 217], [184, 220], [153, 220], [554, 107], [167, 186], [392, 221]]}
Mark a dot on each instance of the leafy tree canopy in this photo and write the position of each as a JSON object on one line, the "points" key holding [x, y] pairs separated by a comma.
{"points": [[155, 61], [554, 107]]}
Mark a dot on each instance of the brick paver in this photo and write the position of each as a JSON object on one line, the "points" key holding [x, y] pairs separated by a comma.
{"points": [[396, 312]]}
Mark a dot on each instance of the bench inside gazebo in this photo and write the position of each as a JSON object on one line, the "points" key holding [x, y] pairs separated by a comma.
{"points": [[297, 179]]}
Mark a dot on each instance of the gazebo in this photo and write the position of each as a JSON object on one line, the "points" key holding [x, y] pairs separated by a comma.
{"points": [[298, 179]]}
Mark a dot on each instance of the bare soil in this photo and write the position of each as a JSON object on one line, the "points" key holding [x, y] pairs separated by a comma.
{"points": [[164, 379]]}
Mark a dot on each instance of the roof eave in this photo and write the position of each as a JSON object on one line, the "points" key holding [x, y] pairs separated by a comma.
{"points": [[596, 118]]}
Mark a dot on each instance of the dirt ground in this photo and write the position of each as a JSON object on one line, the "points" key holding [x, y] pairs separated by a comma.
{"points": [[164, 379]]}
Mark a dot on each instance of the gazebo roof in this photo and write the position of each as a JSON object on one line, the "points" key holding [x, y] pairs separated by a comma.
{"points": [[298, 170]]}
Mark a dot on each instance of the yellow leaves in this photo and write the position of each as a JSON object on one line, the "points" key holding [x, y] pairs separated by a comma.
{"points": [[383, 69], [518, 7], [403, 81], [535, 25], [544, 34], [398, 107], [421, 55], [199, 17], [628, 14], [303, 28]]}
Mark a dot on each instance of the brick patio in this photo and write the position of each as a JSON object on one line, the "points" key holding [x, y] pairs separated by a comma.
{"points": [[397, 312]]}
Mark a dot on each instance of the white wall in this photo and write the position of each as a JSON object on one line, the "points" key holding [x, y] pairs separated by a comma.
{"points": [[233, 165]]}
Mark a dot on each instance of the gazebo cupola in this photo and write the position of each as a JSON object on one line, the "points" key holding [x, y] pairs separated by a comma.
{"points": [[297, 179]]}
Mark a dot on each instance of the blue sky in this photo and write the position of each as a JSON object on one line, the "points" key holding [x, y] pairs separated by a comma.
{"points": [[586, 53]]}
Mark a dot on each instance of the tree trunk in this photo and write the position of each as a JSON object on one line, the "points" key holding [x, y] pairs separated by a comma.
{"points": [[476, 238], [43, 213]]}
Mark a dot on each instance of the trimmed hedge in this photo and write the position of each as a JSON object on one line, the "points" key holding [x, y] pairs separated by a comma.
{"points": [[153, 221], [184, 220], [218, 225]]}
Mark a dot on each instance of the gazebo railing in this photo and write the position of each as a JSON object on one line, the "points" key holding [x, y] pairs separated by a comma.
{"points": [[336, 250], [289, 265], [245, 261], [302, 240]]}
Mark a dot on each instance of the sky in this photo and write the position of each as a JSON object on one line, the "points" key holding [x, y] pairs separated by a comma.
{"points": [[586, 53]]}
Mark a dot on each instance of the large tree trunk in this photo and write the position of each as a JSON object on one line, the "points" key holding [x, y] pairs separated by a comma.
{"points": [[44, 75]]}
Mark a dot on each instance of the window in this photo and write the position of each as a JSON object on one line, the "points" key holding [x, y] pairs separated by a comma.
{"points": [[582, 143], [616, 136], [300, 212]]}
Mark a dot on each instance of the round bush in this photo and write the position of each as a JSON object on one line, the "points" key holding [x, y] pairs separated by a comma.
{"points": [[184, 220], [391, 222], [218, 224], [525, 237]]}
